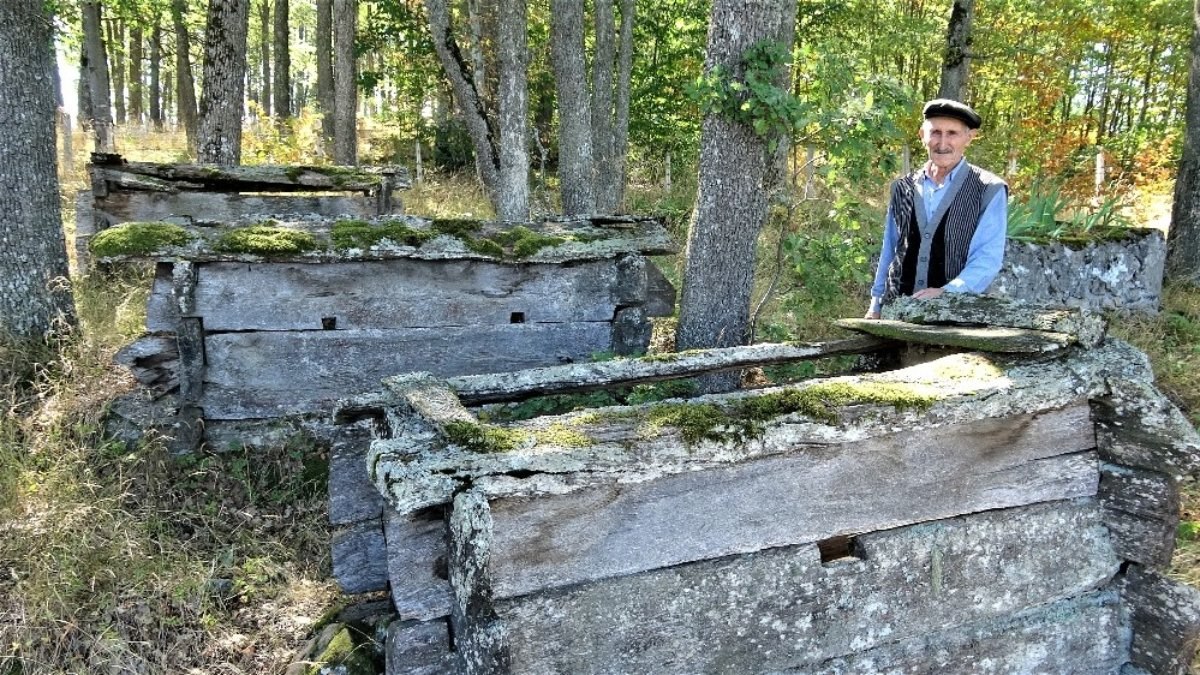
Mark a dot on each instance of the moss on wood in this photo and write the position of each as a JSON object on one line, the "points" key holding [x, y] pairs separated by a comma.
{"points": [[348, 234], [488, 438], [138, 239], [343, 655], [266, 239]]}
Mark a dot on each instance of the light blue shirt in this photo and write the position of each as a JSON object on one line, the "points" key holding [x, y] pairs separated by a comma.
{"points": [[984, 255]]}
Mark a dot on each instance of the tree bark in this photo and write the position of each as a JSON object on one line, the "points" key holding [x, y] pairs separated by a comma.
{"points": [[224, 82], [156, 107], [621, 125], [512, 194], [185, 86], [34, 298], [264, 50], [136, 93], [345, 82], [116, 52], [481, 128], [734, 183], [324, 48], [86, 112], [282, 86], [956, 60], [97, 75], [603, 63], [576, 162], [1183, 239]]}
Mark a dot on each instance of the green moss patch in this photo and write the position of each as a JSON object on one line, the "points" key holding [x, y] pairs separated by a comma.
{"points": [[457, 227], [746, 419], [266, 239], [138, 239], [347, 234], [343, 653], [488, 438]]}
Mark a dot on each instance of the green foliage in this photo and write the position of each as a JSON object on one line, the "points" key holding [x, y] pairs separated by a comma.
{"points": [[347, 234], [830, 262], [266, 239], [1043, 216], [756, 97], [138, 239]]}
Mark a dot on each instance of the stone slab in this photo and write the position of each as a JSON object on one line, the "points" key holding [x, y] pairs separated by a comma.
{"points": [[1141, 509], [1165, 616], [814, 493], [985, 338], [784, 609], [352, 495], [125, 206], [1137, 426], [360, 557], [269, 373]]}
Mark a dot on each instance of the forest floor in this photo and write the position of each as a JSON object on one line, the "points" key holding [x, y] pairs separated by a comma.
{"points": [[131, 559]]}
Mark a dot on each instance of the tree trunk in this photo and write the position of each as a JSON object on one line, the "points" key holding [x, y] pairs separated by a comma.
{"points": [[224, 82], [282, 85], [512, 195], [185, 86], [264, 50], [345, 82], [136, 92], [576, 166], [34, 298], [484, 135], [97, 74], [87, 111], [956, 60], [624, 77], [156, 107], [1183, 239], [479, 74], [602, 107], [324, 47], [731, 201], [116, 51]]}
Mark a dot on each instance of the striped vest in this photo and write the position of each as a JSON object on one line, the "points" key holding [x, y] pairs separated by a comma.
{"points": [[930, 254]]}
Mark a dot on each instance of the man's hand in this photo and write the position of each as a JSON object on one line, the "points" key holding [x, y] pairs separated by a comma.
{"points": [[872, 315], [927, 293]]}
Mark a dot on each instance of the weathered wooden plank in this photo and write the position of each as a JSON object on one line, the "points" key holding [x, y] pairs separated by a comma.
{"points": [[360, 557], [984, 339], [162, 313], [208, 207], [401, 294], [1137, 426], [815, 493], [416, 560], [352, 495], [1165, 616], [274, 373], [256, 177], [783, 608], [1141, 509], [598, 375], [1087, 327], [1080, 636], [419, 648]]}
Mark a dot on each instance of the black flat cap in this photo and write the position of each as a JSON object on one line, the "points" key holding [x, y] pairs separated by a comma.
{"points": [[944, 107]]}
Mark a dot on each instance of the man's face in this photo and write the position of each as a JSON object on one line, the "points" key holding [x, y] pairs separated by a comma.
{"points": [[945, 139]]}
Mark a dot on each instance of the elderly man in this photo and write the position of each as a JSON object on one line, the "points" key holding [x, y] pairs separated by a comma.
{"points": [[946, 222]]}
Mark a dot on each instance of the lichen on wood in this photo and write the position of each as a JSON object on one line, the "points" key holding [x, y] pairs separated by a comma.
{"points": [[360, 234], [138, 239]]}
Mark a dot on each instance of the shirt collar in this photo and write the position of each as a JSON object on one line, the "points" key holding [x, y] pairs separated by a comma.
{"points": [[954, 173]]}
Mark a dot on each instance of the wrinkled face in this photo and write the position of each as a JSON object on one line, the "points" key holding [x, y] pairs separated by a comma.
{"points": [[945, 139]]}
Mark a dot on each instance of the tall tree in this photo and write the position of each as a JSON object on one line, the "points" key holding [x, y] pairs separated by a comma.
{"points": [[264, 52], [603, 64], [345, 82], [34, 299], [136, 92], [956, 60], [97, 76], [613, 177], [185, 85], [576, 160], [512, 193], [736, 176], [1183, 239], [116, 53], [156, 106], [282, 86], [326, 100], [492, 129], [224, 82]]}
